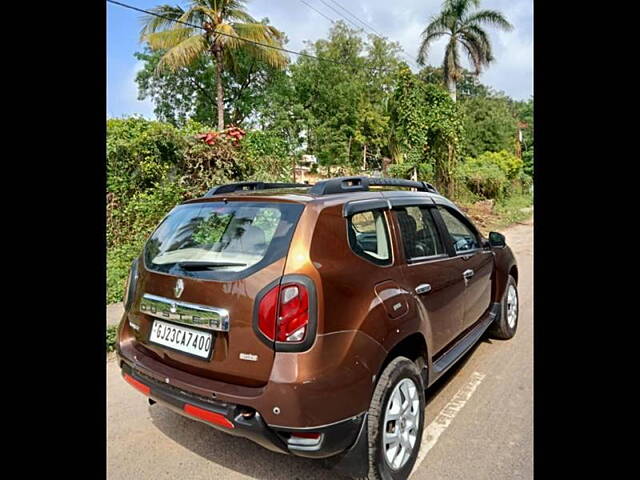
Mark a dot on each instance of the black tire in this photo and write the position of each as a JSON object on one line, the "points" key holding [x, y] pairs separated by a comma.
{"points": [[379, 468], [500, 328]]}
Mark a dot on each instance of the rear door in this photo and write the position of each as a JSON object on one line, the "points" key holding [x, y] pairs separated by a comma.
{"points": [[200, 275], [430, 273], [474, 262]]}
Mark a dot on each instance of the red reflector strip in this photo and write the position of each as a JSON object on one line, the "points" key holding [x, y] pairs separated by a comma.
{"points": [[211, 417], [306, 435], [137, 385]]}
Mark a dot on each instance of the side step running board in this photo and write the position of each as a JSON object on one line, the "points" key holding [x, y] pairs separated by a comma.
{"points": [[447, 360]]}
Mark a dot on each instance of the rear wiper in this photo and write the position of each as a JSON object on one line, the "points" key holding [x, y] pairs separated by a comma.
{"points": [[206, 265]]}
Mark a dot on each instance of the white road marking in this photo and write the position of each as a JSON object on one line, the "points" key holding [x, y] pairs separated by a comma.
{"points": [[433, 431]]}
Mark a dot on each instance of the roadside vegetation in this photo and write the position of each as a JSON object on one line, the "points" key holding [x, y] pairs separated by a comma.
{"points": [[111, 337], [359, 110]]}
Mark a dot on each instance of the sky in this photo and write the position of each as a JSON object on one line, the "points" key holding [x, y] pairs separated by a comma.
{"points": [[400, 20]]}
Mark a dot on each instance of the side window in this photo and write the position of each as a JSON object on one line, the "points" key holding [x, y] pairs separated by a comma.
{"points": [[419, 234], [463, 238], [369, 238]]}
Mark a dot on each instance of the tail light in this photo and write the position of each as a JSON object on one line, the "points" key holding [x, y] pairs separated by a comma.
{"points": [[283, 313]]}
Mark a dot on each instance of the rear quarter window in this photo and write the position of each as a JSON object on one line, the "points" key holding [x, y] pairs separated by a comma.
{"points": [[369, 236]]}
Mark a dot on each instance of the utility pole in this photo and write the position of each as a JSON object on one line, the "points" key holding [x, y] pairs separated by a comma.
{"points": [[294, 169]]}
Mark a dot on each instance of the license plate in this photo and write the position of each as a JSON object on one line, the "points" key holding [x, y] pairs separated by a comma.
{"points": [[184, 339]]}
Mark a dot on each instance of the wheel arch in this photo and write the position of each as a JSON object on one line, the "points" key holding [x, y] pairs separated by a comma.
{"points": [[514, 273], [414, 347]]}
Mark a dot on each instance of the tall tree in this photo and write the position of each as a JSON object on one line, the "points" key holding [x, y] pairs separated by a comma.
{"points": [[463, 25], [221, 28]]}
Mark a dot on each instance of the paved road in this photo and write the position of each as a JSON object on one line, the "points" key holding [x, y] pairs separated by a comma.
{"points": [[479, 419]]}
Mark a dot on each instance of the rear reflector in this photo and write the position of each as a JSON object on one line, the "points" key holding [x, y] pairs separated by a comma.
{"points": [[305, 440], [211, 417], [137, 385]]}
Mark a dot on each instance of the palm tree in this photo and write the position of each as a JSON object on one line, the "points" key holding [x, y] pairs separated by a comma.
{"points": [[224, 26], [464, 28]]}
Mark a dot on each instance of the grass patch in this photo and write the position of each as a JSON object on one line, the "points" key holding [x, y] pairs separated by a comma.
{"points": [[111, 337], [513, 209]]}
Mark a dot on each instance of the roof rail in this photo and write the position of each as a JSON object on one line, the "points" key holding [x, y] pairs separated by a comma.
{"points": [[362, 184], [235, 187]]}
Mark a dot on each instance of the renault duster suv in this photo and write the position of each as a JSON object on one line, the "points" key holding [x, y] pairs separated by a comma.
{"points": [[310, 319]]}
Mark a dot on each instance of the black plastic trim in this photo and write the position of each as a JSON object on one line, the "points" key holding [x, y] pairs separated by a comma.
{"points": [[408, 201], [338, 437], [354, 462], [240, 186], [357, 206], [459, 348], [254, 428], [362, 184]]}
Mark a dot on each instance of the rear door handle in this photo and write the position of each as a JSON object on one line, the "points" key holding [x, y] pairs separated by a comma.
{"points": [[468, 274], [423, 288]]}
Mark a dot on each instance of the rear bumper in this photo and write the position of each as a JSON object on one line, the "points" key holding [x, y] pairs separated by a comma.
{"points": [[243, 421]]}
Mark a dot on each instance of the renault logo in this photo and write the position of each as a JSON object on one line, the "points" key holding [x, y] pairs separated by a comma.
{"points": [[179, 288]]}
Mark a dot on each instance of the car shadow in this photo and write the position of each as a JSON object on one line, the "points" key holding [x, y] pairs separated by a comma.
{"points": [[234, 453], [434, 390], [245, 457]]}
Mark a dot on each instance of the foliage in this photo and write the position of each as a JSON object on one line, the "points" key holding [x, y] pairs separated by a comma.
{"points": [[190, 92], [468, 85], [427, 127], [489, 125], [524, 112], [335, 108], [483, 178], [512, 209], [505, 161], [112, 331], [493, 174], [139, 154], [267, 156], [220, 28], [464, 28]]}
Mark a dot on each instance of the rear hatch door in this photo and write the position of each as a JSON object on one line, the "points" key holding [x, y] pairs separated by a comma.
{"points": [[200, 274]]}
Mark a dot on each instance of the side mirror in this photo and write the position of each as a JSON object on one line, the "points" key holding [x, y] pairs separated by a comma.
{"points": [[497, 239]]}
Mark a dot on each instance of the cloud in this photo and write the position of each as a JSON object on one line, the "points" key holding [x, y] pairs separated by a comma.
{"points": [[404, 20], [125, 93]]}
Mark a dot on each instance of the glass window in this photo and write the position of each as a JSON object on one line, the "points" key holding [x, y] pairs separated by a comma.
{"points": [[214, 238], [419, 234], [463, 237], [368, 236]]}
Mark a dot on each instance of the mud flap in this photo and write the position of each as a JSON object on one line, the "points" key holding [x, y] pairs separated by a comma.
{"points": [[355, 461]]}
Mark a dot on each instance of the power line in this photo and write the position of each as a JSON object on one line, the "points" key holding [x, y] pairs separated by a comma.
{"points": [[367, 26], [356, 26], [318, 11], [357, 18], [302, 54], [293, 52]]}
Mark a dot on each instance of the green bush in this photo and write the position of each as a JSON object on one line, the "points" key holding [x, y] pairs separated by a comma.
{"points": [[111, 337], [266, 156], [140, 153], [405, 170], [483, 178], [507, 162]]}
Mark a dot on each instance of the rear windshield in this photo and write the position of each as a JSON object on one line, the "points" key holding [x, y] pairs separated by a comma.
{"points": [[221, 240]]}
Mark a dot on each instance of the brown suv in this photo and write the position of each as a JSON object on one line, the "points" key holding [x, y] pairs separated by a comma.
{"points": [[310, 319]]}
